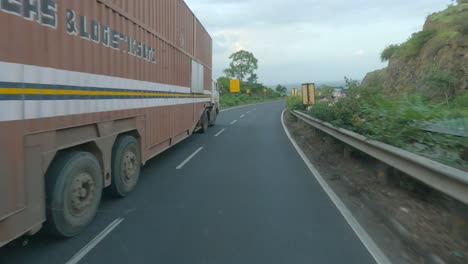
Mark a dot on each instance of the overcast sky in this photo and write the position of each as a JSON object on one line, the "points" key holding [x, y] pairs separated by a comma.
{"points": [[299, 41]]}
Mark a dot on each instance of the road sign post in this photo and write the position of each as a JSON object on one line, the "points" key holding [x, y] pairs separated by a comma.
{"points": [[308, 93]]}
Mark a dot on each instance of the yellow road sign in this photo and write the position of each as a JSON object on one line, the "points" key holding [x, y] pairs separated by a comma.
{"points": [[234, 86], [308, 93], [264, 90], [247, 91], [294, 92]]}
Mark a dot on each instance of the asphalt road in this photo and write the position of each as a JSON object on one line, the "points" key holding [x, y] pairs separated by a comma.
{"points": [[246, 196]]}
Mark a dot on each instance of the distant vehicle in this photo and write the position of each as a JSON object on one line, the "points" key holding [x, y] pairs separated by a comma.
{"points": [[91, 90]]}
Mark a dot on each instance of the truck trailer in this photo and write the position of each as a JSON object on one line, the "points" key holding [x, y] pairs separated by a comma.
{"points": [[90, 91]]}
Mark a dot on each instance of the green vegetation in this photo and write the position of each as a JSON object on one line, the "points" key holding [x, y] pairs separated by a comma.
{"points": [[295, 103], [325, 91], [281, 90], [413, 46], [396, 121], [420, 100], [388, 52], [243, 67], [441, 29], [442, 83]]}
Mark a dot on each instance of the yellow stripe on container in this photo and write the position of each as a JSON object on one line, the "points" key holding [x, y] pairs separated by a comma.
{"points": [[29, 91]]}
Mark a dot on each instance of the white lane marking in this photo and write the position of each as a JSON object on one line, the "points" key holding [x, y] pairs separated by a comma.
{"points": [[181, 165], [368, 242], [84, 251], [233, 122], [242, 116], [219, 133]]}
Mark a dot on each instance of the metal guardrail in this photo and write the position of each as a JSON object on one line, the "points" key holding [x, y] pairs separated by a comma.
{"points": [[451, 181]]}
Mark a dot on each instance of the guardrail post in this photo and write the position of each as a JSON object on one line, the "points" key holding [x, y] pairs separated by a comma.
{"points": [[347, 152], [457, 219], [383, 173]]}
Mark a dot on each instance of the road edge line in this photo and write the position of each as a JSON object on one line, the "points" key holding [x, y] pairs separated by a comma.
{"points": [[365, 238], [93, 243]]}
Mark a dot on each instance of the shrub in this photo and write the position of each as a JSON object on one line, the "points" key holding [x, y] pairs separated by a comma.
{"points": [[388, 52], [413, 46], [295, 103], [394, 121], [442, 83]]}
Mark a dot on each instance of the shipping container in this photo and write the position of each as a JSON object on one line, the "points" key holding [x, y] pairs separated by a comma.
{"points": [[90, 91]]}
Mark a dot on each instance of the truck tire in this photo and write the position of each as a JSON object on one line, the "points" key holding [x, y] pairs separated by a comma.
{"points": [[74, 184], [126, 163], [213, 117], [204, 122]]}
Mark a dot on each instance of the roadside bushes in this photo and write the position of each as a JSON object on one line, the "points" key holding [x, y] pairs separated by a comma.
{"points": [[396, 121], [295, 103], [413, 46]]}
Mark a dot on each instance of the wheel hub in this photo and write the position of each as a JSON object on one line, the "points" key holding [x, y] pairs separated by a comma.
{"points": [[82, 193], [130, 167]]}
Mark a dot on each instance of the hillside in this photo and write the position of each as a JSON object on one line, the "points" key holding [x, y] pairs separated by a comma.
{"points": [[433, 61]]}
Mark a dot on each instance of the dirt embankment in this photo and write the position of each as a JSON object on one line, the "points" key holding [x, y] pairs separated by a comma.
{"points": [[442, 46], [421, 219]]}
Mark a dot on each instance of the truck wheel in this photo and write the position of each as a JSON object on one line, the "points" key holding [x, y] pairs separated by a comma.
{"points": [[204, 122], [213, 117], [74, 186], [126, 163]]}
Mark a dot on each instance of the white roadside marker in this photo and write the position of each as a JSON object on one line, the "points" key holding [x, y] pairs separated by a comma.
{"points": [[233, 122]]}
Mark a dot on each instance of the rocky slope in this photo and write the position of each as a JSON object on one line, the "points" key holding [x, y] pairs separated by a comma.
{"points": [[433, 61]]}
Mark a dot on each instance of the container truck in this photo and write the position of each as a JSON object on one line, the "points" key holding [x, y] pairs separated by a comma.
{"points": [[90, 91]]}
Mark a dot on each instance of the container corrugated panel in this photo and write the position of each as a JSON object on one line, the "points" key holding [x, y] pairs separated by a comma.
{"points": [[185, 28], [57, 49], [203, 50]]}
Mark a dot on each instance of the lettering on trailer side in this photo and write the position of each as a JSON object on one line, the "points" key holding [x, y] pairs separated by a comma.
{"points": [[44, 12]]}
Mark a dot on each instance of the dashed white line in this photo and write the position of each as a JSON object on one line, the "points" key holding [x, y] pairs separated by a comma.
{"points": [[233, 122], [365, 238], [84, 251], [242, 116], [219, 133], [181, 165]]}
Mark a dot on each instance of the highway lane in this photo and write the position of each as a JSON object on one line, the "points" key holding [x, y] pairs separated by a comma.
{"points": [[242, 195]]}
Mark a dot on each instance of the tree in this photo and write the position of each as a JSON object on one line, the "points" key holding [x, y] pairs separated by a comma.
{"points": [[281, 90], [223, 84], [243, 66], [442, 82]]}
